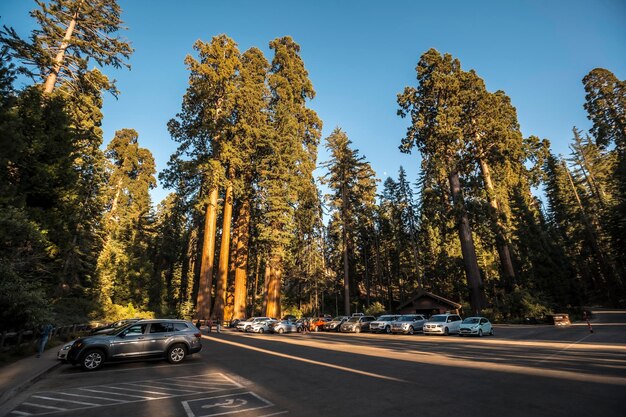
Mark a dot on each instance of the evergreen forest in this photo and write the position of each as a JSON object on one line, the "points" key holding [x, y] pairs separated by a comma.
{"points": [[255, 224]]}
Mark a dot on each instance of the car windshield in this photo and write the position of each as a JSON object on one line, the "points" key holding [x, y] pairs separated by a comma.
{"points": [[354, 319], [438, 319], [338, 318], [386, 318], [471, 320], [406, 318]]}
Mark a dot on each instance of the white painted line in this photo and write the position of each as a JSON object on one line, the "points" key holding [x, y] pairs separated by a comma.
{"points": [[137, 390], [564, 349], [62, 399], [169, 389], [310, 361], [49, 407], [91, 396], [21, 413], [115, 393], [198, 384], [238, 385], [181, 384]]}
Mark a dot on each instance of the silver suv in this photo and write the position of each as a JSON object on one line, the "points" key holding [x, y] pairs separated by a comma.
{"points": [[408, 324], [169, 339], [383, 323]]}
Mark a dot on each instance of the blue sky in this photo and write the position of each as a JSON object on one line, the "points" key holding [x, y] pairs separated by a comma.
{"points": [[361, 54]]}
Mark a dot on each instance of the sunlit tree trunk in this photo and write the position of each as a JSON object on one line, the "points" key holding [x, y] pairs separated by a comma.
{"points": [[242, 228], [222, 271], [203, 304], [58, 60], [502, 244], [467, 245]]}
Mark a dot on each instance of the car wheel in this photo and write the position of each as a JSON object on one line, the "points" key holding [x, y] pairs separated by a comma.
{"points": [[357, 329], [281, 331], [247, 329], [261, 330], [92, 360], [491, 332], [388, 329], [176, 353], [411, 330], [446, 332], [480, 332]]}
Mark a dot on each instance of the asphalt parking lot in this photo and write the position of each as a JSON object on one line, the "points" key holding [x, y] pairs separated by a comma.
{"points": [[521, 371]]}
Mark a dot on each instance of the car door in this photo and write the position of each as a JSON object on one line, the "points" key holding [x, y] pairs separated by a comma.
{"points": [[485, 325], [158, 337], [454, 324], [130, 342]]}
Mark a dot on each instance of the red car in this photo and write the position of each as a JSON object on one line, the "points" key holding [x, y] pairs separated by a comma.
{"points": [[317, 324]]}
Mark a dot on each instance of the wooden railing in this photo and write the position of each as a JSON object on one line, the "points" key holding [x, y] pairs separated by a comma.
{"points": [[25, 336]]}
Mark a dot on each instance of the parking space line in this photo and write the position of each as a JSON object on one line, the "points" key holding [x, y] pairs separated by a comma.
{"points": [[211, 383], [49, 407], [20, 413], [61, 399], [117, 393], [90, 396], [107, 395], [137, 390], [166, 388]]}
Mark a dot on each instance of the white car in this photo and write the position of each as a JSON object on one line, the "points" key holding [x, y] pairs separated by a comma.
{"points": [[444, 324], [262, 326], [243, 326], [478, 326], [408, 324]]}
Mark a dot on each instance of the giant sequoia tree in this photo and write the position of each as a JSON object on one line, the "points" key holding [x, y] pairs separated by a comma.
{"points": [[200, 128], [437, 130], [289, 156]]}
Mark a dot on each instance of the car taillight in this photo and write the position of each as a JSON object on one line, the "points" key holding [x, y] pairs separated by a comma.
{"points": [[198, 335]]}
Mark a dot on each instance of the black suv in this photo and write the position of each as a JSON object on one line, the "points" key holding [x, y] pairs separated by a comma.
{"points": [[169, 339]]}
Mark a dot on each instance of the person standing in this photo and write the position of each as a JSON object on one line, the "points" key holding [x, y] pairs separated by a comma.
{"points": [[46, 331], [209, 324], [218, 324]]}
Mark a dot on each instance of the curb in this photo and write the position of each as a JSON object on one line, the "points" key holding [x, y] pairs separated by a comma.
{"points": [[10, 393]]}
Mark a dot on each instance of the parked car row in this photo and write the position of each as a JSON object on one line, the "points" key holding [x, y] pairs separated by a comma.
{"points": [[438, 324]]}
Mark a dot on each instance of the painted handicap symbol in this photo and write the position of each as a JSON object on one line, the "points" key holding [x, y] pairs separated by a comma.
{"points": [[239, 403], [229, 403]]}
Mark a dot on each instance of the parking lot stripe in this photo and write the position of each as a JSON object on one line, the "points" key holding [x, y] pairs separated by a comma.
{"points": [[122, 387], [137, 390], [49, 407], [169, 389], [117, 393], [91, 396], [200, 384], [62, 399], [107, 395]]}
